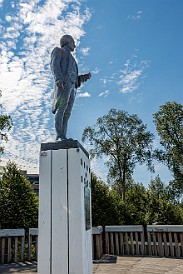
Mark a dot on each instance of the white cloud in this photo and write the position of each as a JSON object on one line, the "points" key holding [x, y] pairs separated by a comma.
{"points": [[8, 18], [104, 94], [25, 78], [106, 80], [98, 165], [85, 51], [84, 94], [99, 168], [136, 16], [1, 2], [126, 80], [95, 71], [131, 76], [137, 97]]}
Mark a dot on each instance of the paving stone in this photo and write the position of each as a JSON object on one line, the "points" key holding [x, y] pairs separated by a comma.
{"points": [[112, 265]]}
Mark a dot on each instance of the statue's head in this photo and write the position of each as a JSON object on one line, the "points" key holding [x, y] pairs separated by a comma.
{"points": [[67, 40]]}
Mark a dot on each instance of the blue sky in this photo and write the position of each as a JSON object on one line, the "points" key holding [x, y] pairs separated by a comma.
{"points": [[133, 48]]}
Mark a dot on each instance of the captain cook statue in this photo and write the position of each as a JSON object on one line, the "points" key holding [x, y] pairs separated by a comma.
{"points": [[65, 71]]}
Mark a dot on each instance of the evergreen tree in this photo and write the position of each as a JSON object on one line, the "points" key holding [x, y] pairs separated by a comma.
{"points": [[18, 202]]}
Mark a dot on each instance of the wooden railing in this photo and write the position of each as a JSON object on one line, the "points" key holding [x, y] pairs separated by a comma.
{"points": [[33, 244], [97, 233], [153, 240], [165, 240], [12, 244], [124, 240]]}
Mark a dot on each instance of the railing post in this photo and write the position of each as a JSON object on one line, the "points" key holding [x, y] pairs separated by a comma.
{"points": [[160, 240], [29, 246], [2, 250], [165, 240], [16, 249], [9, 238], [32, 232], [123, 239], [22, 248], [97, 242]]}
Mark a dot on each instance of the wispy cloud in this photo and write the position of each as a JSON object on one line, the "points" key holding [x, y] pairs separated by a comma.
{"points": [[137, 97], [104, 94], [99, 168], [95, 71], [83, 94], [136, 16], [85, 51], [131, 75], [106, 80], [25, 79], [127, 79]]}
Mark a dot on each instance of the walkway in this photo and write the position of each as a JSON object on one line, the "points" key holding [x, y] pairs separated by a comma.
{"points": [[138, 265], [113, 265]]}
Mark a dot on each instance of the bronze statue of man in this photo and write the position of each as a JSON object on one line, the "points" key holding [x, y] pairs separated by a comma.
{"points": [[65, 71]]}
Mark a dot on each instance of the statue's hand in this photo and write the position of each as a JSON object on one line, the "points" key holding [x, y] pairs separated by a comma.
{"points": [[83, 78], [88, 76], [59, 84]]}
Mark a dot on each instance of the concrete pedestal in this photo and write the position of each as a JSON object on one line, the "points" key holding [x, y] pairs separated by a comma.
{"points": [[64, 245]]}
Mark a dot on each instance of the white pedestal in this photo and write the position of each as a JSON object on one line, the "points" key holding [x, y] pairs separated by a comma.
{"points": [[64, 245]]}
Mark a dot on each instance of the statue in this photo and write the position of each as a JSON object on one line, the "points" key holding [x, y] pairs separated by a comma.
{"points": [[65, 71]]}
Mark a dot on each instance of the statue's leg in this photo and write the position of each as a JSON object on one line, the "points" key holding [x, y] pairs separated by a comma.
{"points": [[68, 110], [63, 100]]}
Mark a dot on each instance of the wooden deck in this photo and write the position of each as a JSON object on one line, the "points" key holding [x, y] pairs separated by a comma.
{"points": [[113, 265], [138, 265]]}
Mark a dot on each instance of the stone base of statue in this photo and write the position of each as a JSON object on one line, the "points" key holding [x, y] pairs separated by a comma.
{"points": [[64, 245]]}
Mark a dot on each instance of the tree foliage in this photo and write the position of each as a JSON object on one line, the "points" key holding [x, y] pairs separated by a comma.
{"points": [[105, 204], [151, 205], [136, 205], [5, 125], [163, 191], [144, 206], [163, 212], [124, 139], [169, 125], [18, 202], [158, 188], [162, 204]]}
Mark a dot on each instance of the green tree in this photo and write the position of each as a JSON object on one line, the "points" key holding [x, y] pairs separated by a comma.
{"points": [[5, 125], [124, 139], [136, 205], [158, 188], [162, 191], [162, 212], [169, 125], [18, 203], [170, 214], [105, 204], [162, 207]]}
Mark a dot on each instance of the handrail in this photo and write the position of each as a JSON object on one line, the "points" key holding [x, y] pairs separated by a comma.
{"points": [[153, 240]]}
